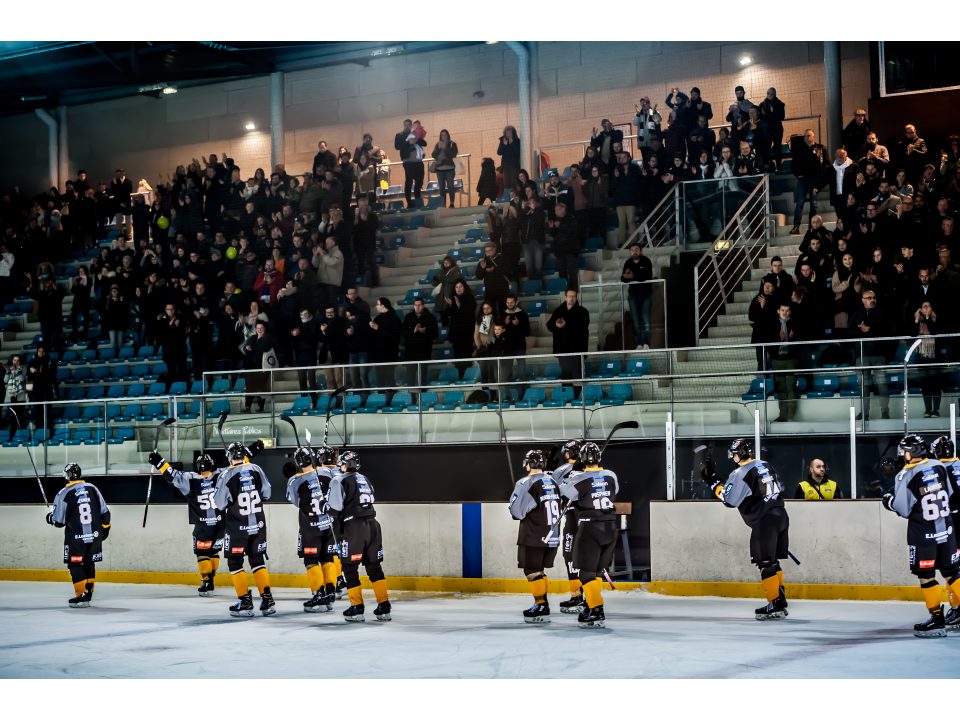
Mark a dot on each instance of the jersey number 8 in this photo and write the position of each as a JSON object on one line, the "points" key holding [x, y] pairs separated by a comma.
{"points": [[249, 502], [84, 511], [935, 506]]}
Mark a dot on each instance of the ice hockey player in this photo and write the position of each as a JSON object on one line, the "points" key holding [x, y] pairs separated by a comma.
{"points": [[208, 521], [755, 490], [569, 452], [944, 451], [315, 541], [352, 498], [79, 509], [921, 495], [592, 491], [327, 470], [241, 490], [535, 503]]}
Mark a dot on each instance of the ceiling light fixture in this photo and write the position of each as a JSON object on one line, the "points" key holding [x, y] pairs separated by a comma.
{"points": [[745, 60], [250, 125]]}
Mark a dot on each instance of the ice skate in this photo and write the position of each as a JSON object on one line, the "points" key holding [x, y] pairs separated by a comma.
{"points": [[267, 605], [341, 587], [81, 601], [777, 609], [539, 613], [206, 589], [573, 605], [382, 612], [243, 607], [933, 627], [952, 620], [319, 602], [353, 613], [591, 617]]}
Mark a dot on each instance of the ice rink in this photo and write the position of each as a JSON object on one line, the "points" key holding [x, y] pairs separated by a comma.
{"points": [[147, 631]]}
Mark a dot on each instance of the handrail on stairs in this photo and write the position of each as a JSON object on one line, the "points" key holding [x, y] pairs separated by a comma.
{"points": [[723, 267]]}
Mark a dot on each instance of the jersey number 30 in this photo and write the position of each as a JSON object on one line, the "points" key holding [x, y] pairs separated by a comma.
{"points": [[935, 506], [249, 502]]}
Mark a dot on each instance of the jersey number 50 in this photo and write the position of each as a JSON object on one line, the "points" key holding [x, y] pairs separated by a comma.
{"points": [[935, 506], [249, 502]]}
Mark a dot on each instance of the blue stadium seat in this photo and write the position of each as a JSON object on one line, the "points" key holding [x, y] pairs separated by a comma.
{"points": [[824, 387], [428, 280], [373, 404], [99, 373], [605, 370], [77, 437], [635, 368], [850, 386], [537, 308], [759, 390], [220, 386], [178, 388], [301, 405], [157, 388], [470, 376], [451, 399], [589, 396], [96, 391], [118, 435], [89, 356], [447, 376], [118, 372], [618, 394], [76, 393], [126, 353], [70, 413], [531, 287], [114, 392], [554, 287], [107, 354], [92, 413], [69, 356], [136, 390], [127, 413], [218, 407], [196, 388], [401, 401], [561, 396], [532, 397], [595, 244], [151, 411], [551, 372], [474, 234], [428, 400], [188, 410]]}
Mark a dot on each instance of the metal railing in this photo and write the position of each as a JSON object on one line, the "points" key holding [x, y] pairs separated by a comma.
{"points": [[462, 189], [724, 266], [608, 303]]}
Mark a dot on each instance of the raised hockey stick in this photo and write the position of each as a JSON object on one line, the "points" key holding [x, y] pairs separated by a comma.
{"points": [[326, 424], [220, 423], [293, 425], [156, 442], [30, 455], [619, 427]]}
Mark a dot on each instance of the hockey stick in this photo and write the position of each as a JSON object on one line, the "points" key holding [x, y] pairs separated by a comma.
{"points": [[156, 442], [30, 455], [326, 424], [792, 557], [293, 425], [619, 427], [220, 423], [606, 575]]}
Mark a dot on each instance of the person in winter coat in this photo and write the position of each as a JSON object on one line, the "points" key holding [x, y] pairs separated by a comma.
{"points": [[462, 309], [624, 192], [258, 352], [566, 244], [81, 288], [570, 325], [487, 184], [509, 152], [443, 155], [419, 331], [386, 341], [597, 191], [16, 393], [305, 340], [492, 270], [763, 309], [447, 275], [41, 384], [115, 316]]}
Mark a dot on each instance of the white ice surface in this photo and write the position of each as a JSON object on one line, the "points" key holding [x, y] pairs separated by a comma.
{"points": [[147, 631]]}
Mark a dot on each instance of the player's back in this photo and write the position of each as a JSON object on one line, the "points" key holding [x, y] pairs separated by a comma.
{"points": [[241, 491], [536, 503], [305, 491], [352, 495], [81, 508], [595, 491], [198, 490], [922, 495], [754, 489]]}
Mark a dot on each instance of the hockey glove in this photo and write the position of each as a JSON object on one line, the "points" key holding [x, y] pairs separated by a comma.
{"points": [[888, 501], [155, 459], [50, 518], [104, 532], [256, 447]]}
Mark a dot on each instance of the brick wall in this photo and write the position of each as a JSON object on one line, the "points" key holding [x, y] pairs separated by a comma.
{"points": [[579, 84]]}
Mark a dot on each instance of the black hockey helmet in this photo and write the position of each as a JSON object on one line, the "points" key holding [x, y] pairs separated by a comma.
{"points": [[237, 452], [741, 448], [534, 459], [943, 448], [350, 459], [72, 472], [589, 454], [325, 455], [204, 463], [571, 449], [914, 444], [303, 457]]}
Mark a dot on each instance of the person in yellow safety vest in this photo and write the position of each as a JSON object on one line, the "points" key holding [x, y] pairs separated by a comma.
{"points": [[817, 487]]}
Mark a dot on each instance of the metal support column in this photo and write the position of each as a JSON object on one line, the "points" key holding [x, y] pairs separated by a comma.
{"points": [[523, 92], [63, 152], [833, 99], [276, 119]]}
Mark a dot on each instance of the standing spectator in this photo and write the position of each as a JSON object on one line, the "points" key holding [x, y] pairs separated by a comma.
{"points": [[809, 163], [700, 139], [487, 184], [604, 140], [868, 323], [259, 358], [624, 192], [492, 270], [755, 132], [365, 225], [201, 330], [333, 352], [648, 122], [876, 153], [121, 189], [419, 331], [443, 155], [931, 382], [509, 152], [566, 245], [40, 385], [462, 310], [411, 154], [16, 392], [357, 332], [483, 336], [81, 288], [846, 288], [324, 160], [510, 245], [365, 171], [115, 316], [328, 260], [532, 235], [761, 313], [740, 110], [570, 325], [306, 338], [842, 179], [516, 325], [854, 135], [784, 358], [268, 283], [49, 299], [912, 154], [353, 302], [773, 112], [447, 276], [386, 341], [638, 270], [172, 334], [597, 191], [816, 486]]}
